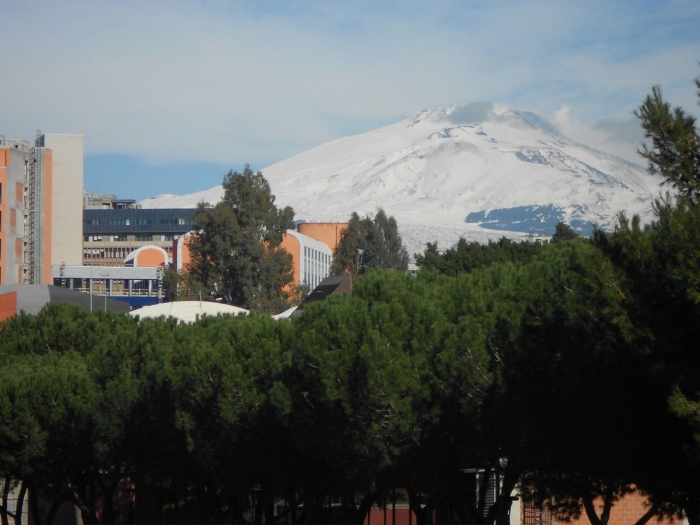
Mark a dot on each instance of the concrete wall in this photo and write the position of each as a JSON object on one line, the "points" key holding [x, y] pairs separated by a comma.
{"points": [[181, 253], [14, 157], [47, 226], [311, 258], [328, 233], [66, 197], [291, 244], [8, 305], [149, 257]]}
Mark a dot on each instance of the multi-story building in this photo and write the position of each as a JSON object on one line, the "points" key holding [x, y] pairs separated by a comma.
{"points": [[66, 196], [311, 246], [25, 213], [40, 206], [110, 235]]}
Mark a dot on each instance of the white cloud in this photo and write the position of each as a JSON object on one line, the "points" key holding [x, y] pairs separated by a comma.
{"points": [[227, 81]]}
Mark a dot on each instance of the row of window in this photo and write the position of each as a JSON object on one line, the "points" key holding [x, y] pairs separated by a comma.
{"points": [[315, 255], [316, 266], [141, 237], [179, 221]]}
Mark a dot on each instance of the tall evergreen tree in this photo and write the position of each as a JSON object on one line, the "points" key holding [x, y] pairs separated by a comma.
{"points": [[674, 152], [236, 255], [660, 283], [563, 232], [372, 242]]}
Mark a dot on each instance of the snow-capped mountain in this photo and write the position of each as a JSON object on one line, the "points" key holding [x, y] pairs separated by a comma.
{"points": [[445, 174]]}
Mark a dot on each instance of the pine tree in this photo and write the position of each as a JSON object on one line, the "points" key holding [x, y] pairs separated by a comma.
{"points": [[660, 282], [675, 143]]}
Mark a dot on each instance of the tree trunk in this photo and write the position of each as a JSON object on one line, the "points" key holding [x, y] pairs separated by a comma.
{"points": [[20, 503], [500, 510], [648, 515], [692, 511], [365, 508], [37, 519], [421, 514], [5, 497], [589, 507]]}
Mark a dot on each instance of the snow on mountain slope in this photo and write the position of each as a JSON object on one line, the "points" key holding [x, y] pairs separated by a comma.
{"points": [[444, 175]]}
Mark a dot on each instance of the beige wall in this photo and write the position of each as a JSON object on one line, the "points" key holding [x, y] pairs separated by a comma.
{"points": [[66, 198]]}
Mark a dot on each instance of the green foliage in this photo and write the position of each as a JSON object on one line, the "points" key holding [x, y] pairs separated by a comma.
{"points": [[658, 280], [405, 383], [674, 152], [172, 285], [563, 232], [236, 255], [468, 256], [372, 242]]}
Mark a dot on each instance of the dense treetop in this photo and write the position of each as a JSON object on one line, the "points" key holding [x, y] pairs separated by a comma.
{"points": [[371, 242], [235, 254], [570, 370]]}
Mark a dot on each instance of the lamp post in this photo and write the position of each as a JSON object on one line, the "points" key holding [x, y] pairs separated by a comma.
{"points": [[105, 275]]}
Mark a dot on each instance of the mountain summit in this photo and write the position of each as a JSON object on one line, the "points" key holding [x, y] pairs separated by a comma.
{"points": [[479, 171]]}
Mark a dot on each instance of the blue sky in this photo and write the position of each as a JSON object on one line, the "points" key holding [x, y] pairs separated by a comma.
{"points": [[171, 95]]}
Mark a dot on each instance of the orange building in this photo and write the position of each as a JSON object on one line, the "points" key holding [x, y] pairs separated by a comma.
{"points": [[328, 233], [311, 247], [149, 256], [26, 188]]}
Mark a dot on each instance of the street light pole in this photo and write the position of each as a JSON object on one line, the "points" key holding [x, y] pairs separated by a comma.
{"points": [[105, 275]]}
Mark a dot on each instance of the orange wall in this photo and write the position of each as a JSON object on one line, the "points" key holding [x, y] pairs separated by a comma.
{"points": [[291, 244], [186, 255], [625, 512], [5, 159], [8, 305], [150, 258], [326, 232], [48, 205]]}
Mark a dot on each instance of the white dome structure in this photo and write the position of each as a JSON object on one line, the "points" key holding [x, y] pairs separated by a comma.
{"points": [[187, 311]]}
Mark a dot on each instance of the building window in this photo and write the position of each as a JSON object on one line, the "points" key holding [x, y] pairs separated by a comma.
{"points": [[0, 192], [170, 237], [119, 238], [143, 222], [144, 237], [115, 222]]}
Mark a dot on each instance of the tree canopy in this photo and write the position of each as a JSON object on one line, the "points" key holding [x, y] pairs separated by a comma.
{"points": [[236, 254], [402, 385], [468, 256], [674, 152], [371, 242], [569, 370]]}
